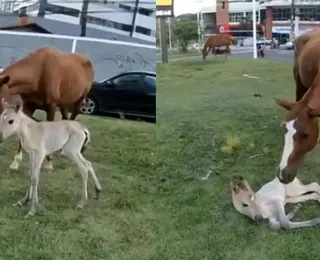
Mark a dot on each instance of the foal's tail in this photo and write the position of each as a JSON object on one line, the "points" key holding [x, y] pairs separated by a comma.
{"points": [[86, 140]]}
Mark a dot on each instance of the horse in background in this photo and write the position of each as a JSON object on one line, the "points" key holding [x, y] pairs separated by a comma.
{"points": [[217, 40], [301, 129], [47, 79]]}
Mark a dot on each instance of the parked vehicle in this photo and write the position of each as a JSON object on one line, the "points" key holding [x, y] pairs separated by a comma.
{"points": [[131, 94], [289, 45]]}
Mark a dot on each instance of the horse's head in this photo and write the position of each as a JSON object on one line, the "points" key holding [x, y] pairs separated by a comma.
{"points": [[300, 136], [243, 199]]}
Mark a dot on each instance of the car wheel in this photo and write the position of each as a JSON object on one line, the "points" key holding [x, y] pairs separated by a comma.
{"points": [[89, 106]]}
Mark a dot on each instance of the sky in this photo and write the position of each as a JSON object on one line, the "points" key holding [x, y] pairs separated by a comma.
{"points": [[189, 6]]}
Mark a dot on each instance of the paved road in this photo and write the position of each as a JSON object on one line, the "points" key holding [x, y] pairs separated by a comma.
{"points": [[282, 55]]}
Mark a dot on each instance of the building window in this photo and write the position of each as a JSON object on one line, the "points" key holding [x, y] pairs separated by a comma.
{"points": [[236, 17], [310, 14], [143, 30], [281, 14], [249, 16], [56, 9], [33, 8], [145, 11], [126, 7], [108, 23]]}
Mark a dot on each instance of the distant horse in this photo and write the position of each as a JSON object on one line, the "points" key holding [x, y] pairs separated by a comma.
{"points": [[46, 79], [301, 122], [215, 41]]}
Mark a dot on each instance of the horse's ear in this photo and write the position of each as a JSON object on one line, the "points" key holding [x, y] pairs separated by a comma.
{"points": [[285, 104], [18, 103], [234, 188], [4, 80]]}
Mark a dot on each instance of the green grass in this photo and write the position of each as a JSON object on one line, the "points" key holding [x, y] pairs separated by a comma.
{"points": [[199, 106], [121, 225]]}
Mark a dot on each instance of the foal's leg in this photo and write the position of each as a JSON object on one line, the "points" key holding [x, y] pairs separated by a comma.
{"points": [[50, 117], [36, 161], [17, 159], [28, 109], [297, 189]]}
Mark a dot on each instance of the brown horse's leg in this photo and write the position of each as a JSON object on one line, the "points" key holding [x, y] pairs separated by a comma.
{"points": [[64, 113], [227, 51], [76, 109], [28, 109], [51, 110]]}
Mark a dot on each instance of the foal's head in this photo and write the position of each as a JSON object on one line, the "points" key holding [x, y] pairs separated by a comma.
{"points": [[300, 136], [243, 200], [9, 119]]}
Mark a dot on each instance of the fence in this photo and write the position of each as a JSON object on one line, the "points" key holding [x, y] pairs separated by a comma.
{"points": [[109, 57]]}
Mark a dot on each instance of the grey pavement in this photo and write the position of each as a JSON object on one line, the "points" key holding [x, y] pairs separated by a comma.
{"points": [[270, 54]]}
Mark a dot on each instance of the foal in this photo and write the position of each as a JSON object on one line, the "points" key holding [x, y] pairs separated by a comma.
{"points": [[40, 139], [268, 202]]}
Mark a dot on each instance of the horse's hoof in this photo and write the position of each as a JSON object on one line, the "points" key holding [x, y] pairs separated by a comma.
{"points": [[30, 214], [14, 167], [18, 204], [48, 166]]}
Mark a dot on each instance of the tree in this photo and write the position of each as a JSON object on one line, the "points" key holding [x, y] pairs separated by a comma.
{"points": [[185, 31]]}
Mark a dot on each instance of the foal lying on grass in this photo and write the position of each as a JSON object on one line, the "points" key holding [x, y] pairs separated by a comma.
{"points": [[267, 204], [40, 139]]}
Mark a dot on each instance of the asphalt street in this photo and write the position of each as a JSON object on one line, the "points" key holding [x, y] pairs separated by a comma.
{"points": [[270, 54]]}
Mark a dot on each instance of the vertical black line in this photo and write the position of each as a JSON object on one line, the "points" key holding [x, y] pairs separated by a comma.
{"points": [[135, 11], [83, 18]]}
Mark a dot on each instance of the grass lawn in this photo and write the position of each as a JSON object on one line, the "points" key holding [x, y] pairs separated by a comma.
{"points": [[200, 105], [121, 225]]}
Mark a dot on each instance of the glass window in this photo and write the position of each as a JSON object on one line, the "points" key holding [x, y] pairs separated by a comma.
{"points": [[249, 16], [56, 9], [143, 30], [281, 14], [236, 17], [130, 81], [145, 11], [310, 14]]}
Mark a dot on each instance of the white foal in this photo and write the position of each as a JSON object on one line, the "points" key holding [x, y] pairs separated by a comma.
{"points": [[44, 138], [267, 204]]}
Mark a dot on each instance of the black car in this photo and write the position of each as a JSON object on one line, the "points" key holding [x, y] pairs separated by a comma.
{"points": [[131, 94]]}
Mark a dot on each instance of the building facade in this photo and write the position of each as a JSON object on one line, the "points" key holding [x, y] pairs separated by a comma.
{"points": [[274, 15], [131, 18]]}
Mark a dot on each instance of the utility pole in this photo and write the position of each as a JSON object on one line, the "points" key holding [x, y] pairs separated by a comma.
{"points": [[163, 40], [42, 8], [292, 19], [254, 29], [83, 17]]}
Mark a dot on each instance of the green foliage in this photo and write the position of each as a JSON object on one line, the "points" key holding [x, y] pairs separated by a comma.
{"points": [[185, 30]]}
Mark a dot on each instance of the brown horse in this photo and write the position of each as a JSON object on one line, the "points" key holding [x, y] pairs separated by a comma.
{"points": [[47, 79], [301, 123], [214, 41]]}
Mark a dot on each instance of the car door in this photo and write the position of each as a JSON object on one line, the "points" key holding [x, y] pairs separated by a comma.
{"points": [[149, 99], [126, 93]]}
